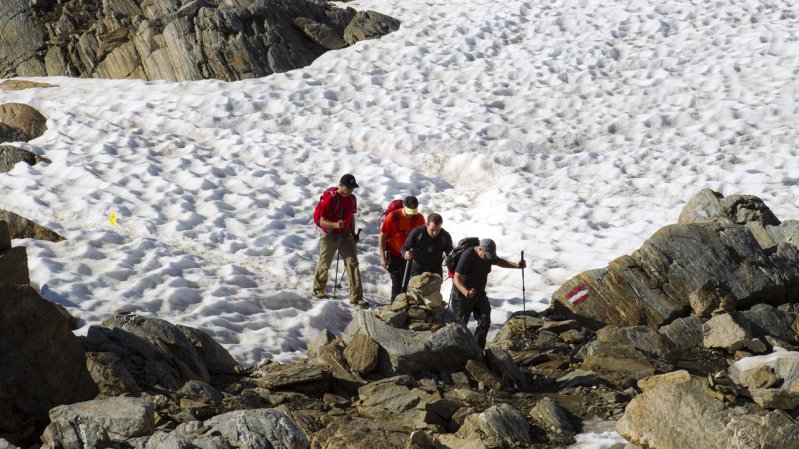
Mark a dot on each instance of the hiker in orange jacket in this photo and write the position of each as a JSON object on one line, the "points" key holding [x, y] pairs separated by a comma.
{"points": [[396, 227]]}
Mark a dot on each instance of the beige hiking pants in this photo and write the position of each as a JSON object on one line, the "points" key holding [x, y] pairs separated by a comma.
{"points": [[345, 244]]}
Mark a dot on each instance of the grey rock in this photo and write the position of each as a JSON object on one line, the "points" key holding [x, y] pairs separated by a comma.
{"points": [[331, 355], [710, 206], [319, 33], [503, 365], [256, 429], [110, 375], [316, 344], [300, 376], [783, 365], [349, 432], [11, 155], [766, 320], [158, 353], [369, 25], [774, 398], [681, 412], [213, 356], [408, 352], [4, 444], [684, 333], [497, 425], [200, 391], [577, 378], [624, 355], [508, 334], [728, 332], [99, 423], [553, 420], [485, 376]]}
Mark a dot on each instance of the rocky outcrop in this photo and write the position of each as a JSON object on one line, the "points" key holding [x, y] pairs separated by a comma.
{"points": [[405, 351], [153, 352], [175, 39], [739, 247], [39, 355]]}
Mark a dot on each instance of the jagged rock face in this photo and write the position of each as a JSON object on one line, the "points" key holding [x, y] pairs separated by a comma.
{"points": [[153, 352], [175, 40], [34, 370], [752, 262]]}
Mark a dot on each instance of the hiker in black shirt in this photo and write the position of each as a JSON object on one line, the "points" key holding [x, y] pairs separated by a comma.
{"points": [[469, 285], [427, 245]]}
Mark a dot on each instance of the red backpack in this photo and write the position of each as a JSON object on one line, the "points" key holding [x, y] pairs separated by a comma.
{"points": [[392, 206], [317, 213]]}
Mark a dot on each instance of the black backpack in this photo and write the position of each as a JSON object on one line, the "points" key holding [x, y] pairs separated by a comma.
{"points": [[452, 258]]}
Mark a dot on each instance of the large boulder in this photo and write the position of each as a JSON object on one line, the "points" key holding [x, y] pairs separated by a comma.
{"points": [[29, 122], [158, 353], [99, 423], [621, 356], [757, 261], [34, 370], [678, 411], [245, 429], [175, 40], [710, 206], [404, 351]]}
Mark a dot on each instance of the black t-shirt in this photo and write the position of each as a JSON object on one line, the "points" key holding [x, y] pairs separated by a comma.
{"points": [[473, 270], [428, 252]]}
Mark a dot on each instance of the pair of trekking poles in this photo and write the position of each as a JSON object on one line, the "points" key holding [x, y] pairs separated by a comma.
{"points": [[336, 280]]}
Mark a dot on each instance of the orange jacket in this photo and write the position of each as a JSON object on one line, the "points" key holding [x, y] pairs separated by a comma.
{"points": [[397, 226]]}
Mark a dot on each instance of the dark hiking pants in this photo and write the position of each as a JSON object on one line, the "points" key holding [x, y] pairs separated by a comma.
{"points": [[479, 306]]}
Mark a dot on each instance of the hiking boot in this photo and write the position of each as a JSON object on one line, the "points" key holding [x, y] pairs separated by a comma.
{"points": [[363, 304], [320, 293]]}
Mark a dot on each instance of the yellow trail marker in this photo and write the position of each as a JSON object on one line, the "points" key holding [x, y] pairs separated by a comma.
{"points": [[113, 218]]}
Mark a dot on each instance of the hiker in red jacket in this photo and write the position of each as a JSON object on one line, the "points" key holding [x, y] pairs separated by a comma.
{"points": [[336, 216], [396, 227]]}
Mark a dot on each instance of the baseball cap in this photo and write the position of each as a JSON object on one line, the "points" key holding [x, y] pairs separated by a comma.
{"points": [[489, 247], [410, 205], [349, 181]]}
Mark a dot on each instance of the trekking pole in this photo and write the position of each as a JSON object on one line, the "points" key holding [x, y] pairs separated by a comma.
{"points": [[338, 256], [524, 303], [405, 276]]}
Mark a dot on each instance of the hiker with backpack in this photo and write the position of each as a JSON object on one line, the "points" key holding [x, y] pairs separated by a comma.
{"points": [[427, 245], [400, 219], [335, 215], [469, 285]]}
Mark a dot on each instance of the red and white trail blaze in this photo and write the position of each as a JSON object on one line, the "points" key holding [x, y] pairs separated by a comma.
{"points": [[577, 294]]}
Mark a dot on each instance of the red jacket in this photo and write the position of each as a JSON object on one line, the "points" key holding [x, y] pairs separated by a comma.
{"points": [[336, 207]]}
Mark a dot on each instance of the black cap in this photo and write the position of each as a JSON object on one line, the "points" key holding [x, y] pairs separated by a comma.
{"points": [[410, 202], [349, 181]]}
